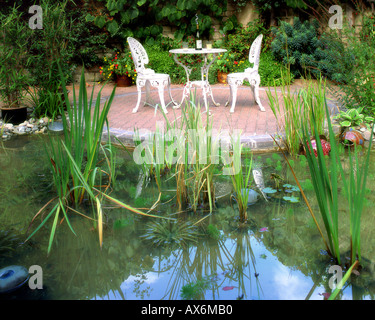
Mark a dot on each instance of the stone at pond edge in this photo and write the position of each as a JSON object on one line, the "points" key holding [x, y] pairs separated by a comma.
{"points": [[56, 126], [12, 278]]}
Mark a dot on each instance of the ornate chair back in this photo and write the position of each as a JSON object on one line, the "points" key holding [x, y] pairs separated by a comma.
{"points": [[254, 53]]}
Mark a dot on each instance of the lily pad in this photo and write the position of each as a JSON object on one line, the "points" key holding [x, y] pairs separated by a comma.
{"points": [[290, 187], [269, 190], [291, 199]]}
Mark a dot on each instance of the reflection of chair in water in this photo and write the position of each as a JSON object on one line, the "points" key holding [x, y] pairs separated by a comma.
{"points": [[146, 76], [236, 80]]}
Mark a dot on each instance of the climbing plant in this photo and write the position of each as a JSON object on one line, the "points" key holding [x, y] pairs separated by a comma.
{"points": [[144, 19]]}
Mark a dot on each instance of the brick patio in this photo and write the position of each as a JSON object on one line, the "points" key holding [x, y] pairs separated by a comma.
{"points": [[256, 126]]}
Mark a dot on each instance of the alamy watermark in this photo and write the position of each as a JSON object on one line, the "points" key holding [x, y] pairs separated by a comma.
{"points": [[36, 280], [36, 21], [177, 146]]}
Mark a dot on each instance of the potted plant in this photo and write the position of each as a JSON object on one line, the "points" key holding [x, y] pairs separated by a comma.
{"points": [[227, 63], [119, 67], [14, 37]]}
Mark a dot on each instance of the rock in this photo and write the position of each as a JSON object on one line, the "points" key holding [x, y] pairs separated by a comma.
{"points": [[20, 130], [56, 126], [367, 135]]}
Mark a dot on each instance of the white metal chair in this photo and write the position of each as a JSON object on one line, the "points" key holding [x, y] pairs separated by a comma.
{"points": [[236, 79], [147, 77]]}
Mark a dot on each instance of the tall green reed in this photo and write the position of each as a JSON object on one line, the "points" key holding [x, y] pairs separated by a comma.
{"points": [[76, 163], [241, 178], [293, 110], [327, 180]]}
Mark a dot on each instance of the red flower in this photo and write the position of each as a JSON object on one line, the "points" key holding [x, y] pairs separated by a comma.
{"points": [[235, 62]]}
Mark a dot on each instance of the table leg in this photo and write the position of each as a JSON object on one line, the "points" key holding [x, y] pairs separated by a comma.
{"points": [[187, 86], [207, 87]]}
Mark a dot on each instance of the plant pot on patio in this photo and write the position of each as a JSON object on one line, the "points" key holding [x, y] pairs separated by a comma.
{"points": [[123, 81], [222, 77], [14, 115]]}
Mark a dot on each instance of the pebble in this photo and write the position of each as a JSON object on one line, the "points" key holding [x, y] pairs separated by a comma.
{"points": [[31, 126]]}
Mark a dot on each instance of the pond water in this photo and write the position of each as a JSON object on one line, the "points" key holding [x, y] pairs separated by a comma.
{"points": [[278, 254]]}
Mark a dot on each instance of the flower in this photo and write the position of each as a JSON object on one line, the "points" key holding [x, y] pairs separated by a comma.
{"points": [[227, 62], [118, 64]]}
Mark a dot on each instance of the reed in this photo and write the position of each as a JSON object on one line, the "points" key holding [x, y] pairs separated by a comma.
{"points": [[293, 110], [241, 179], [326, 180]]}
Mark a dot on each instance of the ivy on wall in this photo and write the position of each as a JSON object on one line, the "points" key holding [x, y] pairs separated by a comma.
{"points": [[143, 19]]}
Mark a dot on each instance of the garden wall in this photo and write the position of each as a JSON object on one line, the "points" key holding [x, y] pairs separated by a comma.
{"points": [[247, 14]]}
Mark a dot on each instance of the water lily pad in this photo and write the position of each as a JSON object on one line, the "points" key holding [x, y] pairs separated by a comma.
{"points": [[290, 187], [291, 199], [269, 190]]}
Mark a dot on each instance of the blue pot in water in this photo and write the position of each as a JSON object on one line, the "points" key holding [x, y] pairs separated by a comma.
{"points": [[12, 278], [252, 197]]}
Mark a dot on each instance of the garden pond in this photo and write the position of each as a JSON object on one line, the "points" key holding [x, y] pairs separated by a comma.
{"points": [[277, 255]]}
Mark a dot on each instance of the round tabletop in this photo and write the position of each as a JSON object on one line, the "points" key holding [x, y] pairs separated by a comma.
{"points": [[193, 51]]}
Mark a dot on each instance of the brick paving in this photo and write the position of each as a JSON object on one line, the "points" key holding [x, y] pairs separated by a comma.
{"points": [[256, 126]]}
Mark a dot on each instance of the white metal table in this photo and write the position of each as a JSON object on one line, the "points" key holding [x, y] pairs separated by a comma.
{"points": [[203, 83]]}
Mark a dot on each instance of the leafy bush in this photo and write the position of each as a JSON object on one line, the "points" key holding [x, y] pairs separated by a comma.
{"points": [[271, 71], [358, 89], [306, 51], [162, 62], [240, 41]]}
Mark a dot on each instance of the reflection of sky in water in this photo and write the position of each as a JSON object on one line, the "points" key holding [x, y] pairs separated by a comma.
{"points": [[274, 282]]}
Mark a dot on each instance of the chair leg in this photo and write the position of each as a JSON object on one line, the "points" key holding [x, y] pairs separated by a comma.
{"points": [[256, 96], [147, 92], [139, 89], [233, 94], [161, 86]]}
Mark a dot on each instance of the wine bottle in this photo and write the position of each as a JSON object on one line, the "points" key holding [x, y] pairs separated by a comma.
{"points": [[198, 40]]}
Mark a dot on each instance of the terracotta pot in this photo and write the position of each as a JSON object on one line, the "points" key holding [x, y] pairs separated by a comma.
{"points": [[123, 81], [352, 137], [14, 115], [222, 77]]}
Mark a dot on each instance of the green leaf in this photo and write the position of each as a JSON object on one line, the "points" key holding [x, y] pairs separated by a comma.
{"points": [[141, 2], [100, 21], [345, 123], [90, 18], [113, 27]]}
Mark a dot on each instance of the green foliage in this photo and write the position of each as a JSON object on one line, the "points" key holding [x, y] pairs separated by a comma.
{"points": [[14, 38], [49, 48], [195, 290], [353, 117], [162, 62], [271, 71], [300, 46], [240, 40], [213, 232], [143, 19], [170, 233], [358, 87]]}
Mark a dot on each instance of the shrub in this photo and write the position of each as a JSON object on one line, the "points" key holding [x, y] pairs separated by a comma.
{"points": [[306, 51], [358, 89], [162, 62]]}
